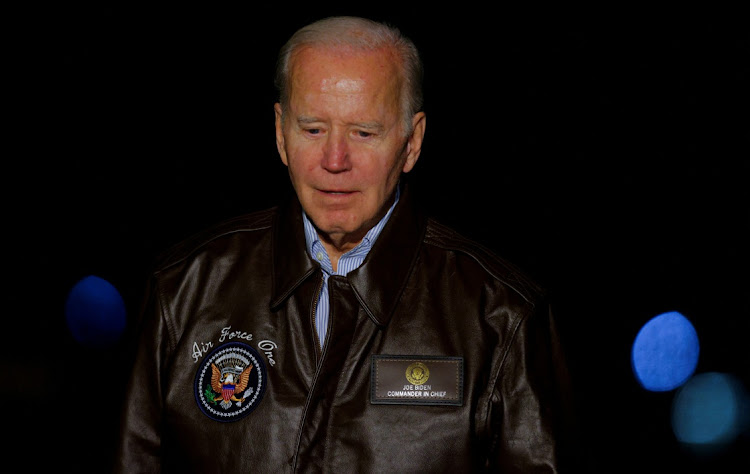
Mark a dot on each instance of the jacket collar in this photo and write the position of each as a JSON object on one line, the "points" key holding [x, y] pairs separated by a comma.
{"points": [[378, 282]]}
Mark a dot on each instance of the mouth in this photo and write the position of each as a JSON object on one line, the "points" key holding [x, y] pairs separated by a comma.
{"points": [[335, 192]]}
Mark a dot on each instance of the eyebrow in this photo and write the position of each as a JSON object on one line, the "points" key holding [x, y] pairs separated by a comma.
{"points": [[377, 126], [304, 119]]}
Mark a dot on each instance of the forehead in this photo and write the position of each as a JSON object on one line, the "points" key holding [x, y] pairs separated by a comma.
{"points": [[343, 70]]}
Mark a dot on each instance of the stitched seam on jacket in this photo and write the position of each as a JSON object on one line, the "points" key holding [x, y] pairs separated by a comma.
{"points": [[500, 369], [260, 220], [517, 282], [168, 319]]}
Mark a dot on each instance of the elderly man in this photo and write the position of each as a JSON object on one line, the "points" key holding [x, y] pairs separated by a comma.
{"points": [[344, 331]]}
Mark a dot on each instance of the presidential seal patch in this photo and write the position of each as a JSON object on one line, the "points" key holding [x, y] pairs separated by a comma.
{"points": [[230, 382], [417, 373]]}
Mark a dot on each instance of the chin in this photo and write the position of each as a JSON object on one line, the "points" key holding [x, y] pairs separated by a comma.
{"points": [[336, 228]]}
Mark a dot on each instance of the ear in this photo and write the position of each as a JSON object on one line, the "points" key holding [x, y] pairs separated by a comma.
{"points": [[414, 142], [280, 134]]}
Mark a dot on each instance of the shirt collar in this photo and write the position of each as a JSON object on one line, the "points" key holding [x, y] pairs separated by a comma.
{"points": [[377, 282], [315, 246]]}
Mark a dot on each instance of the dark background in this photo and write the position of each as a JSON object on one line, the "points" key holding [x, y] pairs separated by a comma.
{"points": [[606, 152]]}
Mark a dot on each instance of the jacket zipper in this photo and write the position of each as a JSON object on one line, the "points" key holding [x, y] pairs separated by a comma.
{"points": [[319, 351]]}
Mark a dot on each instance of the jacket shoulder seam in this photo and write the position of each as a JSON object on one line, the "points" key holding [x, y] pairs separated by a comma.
{"points": [[444, 237], [253, 222]]}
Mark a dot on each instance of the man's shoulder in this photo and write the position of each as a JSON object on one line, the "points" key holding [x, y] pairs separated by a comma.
{"points": [[447, 238], [258, 223]]}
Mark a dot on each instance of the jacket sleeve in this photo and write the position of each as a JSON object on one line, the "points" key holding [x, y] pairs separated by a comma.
{"points": [[139, 442], [533, 411]]}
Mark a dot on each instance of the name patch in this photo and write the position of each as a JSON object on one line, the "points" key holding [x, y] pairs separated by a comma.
{"points": [[417, 380]]}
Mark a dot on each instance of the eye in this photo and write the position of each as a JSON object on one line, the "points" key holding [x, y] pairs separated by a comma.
{"points": [[363, 134], [312, 131]]}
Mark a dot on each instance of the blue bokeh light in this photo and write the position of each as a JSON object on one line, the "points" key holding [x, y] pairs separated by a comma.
{"points": [[665, 352], [95, 312], [709, 412]]}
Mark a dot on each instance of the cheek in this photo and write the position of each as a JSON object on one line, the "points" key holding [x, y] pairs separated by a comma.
{"points": [[380, 170], [394, 170], [301, 159]]}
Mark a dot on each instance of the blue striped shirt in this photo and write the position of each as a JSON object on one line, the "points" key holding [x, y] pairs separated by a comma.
{"points": [[348, 262]]}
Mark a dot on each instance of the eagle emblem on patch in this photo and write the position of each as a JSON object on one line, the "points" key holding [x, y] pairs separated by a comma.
{"points": [[230, 382]]}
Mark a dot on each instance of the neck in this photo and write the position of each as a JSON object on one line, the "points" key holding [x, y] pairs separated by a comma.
{"points": [[336, 246]]}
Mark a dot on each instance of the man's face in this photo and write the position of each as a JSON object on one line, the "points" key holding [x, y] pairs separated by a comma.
{"points": [[343, 139]]}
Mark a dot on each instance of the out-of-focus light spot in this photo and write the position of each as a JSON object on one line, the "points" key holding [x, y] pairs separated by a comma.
{"points": [[709, 412], [95, 312], [665, 352]]}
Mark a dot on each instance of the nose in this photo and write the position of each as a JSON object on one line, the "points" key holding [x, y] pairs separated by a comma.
{"points": [[336, 154]]}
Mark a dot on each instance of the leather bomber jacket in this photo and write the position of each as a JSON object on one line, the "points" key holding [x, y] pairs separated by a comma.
{"points": [[440, 357]]}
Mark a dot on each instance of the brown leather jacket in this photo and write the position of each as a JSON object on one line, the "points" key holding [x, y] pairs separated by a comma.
{"points": [[440, 357]]}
